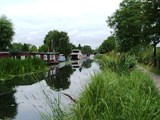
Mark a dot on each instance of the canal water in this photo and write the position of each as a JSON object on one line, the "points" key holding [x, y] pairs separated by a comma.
{"points": [[35, 96]]}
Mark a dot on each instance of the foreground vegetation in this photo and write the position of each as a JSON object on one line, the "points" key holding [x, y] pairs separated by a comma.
{"points": [[11, 67], [112, 96], [119, 92]]}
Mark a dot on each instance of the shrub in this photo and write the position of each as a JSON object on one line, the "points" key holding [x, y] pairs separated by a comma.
{"points": [[121, 63]]}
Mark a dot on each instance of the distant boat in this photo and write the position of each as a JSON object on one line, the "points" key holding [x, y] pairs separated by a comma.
{"points": [[61, 58], [76, 54]]}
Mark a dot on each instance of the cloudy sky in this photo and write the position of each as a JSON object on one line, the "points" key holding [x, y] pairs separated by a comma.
{"points": [[83, 20]]}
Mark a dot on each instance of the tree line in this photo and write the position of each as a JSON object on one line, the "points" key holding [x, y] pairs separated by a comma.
{"points": [[55, 41], [135, 26]]}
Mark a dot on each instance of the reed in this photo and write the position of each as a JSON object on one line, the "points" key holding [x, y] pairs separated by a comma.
{"points": [[110, 96], [115, 95], [10, 67], [120, 63]]}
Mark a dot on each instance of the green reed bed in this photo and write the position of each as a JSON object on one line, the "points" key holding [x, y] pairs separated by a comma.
{"points": [[126, 97], [9, 67], [118, 94]]}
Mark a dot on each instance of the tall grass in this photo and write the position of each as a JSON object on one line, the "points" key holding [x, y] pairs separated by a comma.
{"points": [[115, 95], [120, 63], [126, 97], [16, 67]]}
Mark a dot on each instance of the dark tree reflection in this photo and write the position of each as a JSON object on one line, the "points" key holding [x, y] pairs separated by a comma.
{"points": [[87, 63], [61, 78], [8, 105]]}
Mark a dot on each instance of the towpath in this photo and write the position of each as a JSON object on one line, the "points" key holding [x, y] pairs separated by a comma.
{"points": [[155, 77]]}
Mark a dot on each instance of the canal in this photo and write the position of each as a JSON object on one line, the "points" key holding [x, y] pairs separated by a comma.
{"points": [[33, 96]]}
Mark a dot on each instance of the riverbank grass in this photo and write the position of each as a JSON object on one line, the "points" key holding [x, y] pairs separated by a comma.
{"points": [[119, 92], [11, 67], [110, 96]]}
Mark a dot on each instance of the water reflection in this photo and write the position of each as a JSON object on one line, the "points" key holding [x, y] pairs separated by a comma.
{"points": [[59, 78], [76, 64], [8, 105], [87, 63], [66, 78]]}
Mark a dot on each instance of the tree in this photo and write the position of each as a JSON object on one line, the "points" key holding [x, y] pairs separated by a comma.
{"points": [[43, 48], [86, 49], [79, 47], [19, 47], [16, 47], [33, 48], [25, 47], [52, 40], [108, 45], [151, 9], [6, 33], [127, 23], [58, 41], [152, 23], [137, 23]]}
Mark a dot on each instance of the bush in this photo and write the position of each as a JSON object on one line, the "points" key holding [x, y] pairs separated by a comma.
{"points": [[120, 63]]}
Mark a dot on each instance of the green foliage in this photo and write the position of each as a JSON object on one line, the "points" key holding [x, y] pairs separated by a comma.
{"points": [[6, 33], [120, 63], [110, 96], [152, 20], [108, 45], [86, 49], [33, 48], [19, 47], [25, 47], [79, 47], [144, 55], [134, 22], [11, 67], [43, 48], [16, 47], [58, 41]]}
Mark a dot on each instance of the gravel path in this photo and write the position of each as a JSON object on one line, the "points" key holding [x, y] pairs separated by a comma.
{"points": [[155, 77]]}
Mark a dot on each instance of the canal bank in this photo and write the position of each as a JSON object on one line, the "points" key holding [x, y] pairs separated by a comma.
{"points": [[29, 100], [118, 92]]}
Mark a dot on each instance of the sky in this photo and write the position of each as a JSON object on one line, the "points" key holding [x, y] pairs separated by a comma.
{"points": [[83, 20]]}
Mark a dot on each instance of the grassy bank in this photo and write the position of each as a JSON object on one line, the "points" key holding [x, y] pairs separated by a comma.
{"points": [[10, 67], [118, 92], [110, 96]]}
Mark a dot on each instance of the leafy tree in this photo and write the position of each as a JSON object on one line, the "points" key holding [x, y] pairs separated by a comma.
{"points": [[107, 45], [152, 23], [43, 48], [33, 48], [15, 47], [86, 49], [58, 41], [72, 46], [19, 47], [127, 23], [52, 40], [6, 33], [137, 23], [151, 9], [25, 47], [79, 47]]}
